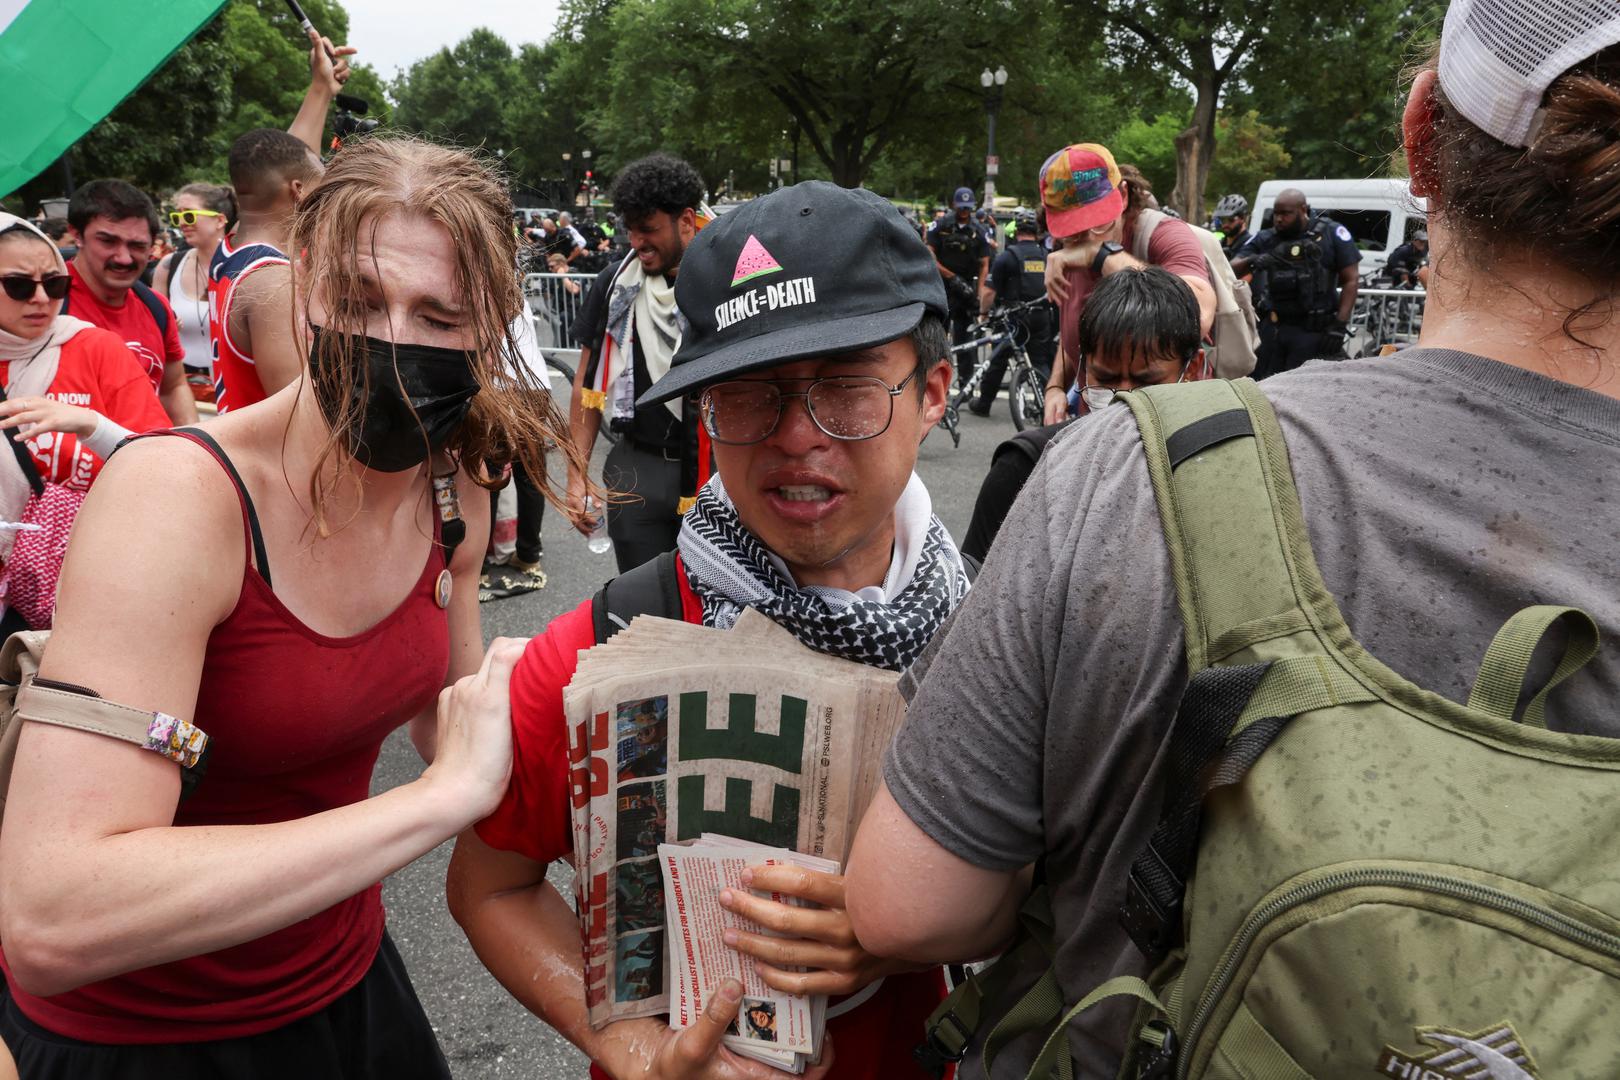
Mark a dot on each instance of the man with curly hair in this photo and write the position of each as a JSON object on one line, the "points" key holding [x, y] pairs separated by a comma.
{"points": [[629, 330]]}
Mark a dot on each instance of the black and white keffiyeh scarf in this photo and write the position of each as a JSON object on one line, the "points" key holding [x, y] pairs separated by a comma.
{"points": [[730, 570]]}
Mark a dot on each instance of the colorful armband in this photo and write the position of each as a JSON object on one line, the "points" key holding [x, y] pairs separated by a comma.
{"points": [[178, 740]]}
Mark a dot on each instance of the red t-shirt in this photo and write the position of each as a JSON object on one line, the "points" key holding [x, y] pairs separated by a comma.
{"points": [[1173, 247], [134, 325], [871, 1042], [96, 371]]}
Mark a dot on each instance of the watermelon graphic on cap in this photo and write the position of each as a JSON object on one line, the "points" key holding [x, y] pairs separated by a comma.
{"points": [[754, 262]]}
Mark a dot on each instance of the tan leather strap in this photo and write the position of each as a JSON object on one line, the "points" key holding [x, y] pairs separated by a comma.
{"points": [[64, 709]]}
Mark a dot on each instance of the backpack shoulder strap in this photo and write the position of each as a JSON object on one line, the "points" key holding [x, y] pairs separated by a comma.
{"points": [[653, 588], [1146, 222], [1241, 558], [154, 304], [1031, 442]]}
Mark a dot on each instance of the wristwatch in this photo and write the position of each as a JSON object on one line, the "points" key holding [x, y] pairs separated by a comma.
{"points": [[1108, 248]]}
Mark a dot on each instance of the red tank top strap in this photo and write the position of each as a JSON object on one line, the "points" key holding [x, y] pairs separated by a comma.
{"points": [[254, 538]]}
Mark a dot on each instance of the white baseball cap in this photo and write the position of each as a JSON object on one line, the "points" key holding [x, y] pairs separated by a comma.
{"points": [[1497, 57]]}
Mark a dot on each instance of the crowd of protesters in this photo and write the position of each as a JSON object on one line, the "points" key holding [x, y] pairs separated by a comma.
{"points": [[316, 395]]}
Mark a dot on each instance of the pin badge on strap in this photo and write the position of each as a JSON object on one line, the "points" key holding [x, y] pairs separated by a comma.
{"points": [[178, 740]]}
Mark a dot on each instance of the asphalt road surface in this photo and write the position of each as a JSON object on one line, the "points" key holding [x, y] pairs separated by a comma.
{"points": [[483, 1031]]}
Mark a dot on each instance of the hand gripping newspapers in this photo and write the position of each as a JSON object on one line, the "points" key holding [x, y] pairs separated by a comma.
{"points": [[772, 1026], [676, 731]]}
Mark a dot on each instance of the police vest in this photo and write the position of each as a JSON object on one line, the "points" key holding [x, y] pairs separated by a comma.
{"points": [[959, 248], [1030, 283], [1302, 284]]}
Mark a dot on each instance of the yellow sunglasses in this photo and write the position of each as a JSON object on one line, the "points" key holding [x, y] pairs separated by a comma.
{"points": [[189, 217]]}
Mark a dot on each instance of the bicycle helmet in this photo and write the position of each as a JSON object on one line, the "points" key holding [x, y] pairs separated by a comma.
{"points": [[1025, 222], [1230, 206]]}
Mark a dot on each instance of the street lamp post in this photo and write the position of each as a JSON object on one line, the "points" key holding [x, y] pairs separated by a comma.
{"points": [[586, 154], [994, 82], [568, 177]]}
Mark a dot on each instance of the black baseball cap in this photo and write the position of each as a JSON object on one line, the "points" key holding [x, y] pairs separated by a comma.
{"points": [[809, 270]]}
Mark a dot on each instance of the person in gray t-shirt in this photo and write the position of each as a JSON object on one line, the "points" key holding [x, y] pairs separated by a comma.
{"points": [[1443, 490]]}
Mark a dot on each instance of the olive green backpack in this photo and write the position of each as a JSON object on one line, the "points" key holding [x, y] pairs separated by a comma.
{"points": [[1351, 876]]}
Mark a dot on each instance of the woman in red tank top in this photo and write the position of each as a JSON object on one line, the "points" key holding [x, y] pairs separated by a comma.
{"points": [[238, 927]]}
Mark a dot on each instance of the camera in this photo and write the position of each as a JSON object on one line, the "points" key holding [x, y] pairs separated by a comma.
{"points": [[351, 118]]}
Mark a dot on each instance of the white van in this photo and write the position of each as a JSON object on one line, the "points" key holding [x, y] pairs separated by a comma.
{"points": [[1380, 214]]}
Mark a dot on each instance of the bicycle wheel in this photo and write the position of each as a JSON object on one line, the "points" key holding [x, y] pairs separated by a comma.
{"points": [[1027, 397]]}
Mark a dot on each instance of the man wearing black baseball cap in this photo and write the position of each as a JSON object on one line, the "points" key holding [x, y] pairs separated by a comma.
{"points": [[816, 360]]}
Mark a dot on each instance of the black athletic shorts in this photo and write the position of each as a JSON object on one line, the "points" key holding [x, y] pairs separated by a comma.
{"points": [[375, 1031]]}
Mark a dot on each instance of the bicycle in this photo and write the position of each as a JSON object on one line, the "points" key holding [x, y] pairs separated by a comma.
{"points": [[1026, 387]]}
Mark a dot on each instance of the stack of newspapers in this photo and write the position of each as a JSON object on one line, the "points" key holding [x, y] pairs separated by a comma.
{"points": [[681, 733], [772, 1026]]}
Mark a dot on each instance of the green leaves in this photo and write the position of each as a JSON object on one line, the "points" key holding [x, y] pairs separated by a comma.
{"points": [[882, 94]]}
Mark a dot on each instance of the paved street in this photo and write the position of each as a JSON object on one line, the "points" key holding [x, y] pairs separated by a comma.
{"points": [[483, 1031]]}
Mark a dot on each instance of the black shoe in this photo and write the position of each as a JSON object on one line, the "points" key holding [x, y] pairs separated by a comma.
{"points": [[979, 409]]}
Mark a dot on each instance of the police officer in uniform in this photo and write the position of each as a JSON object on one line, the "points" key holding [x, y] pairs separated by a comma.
{"points": [[987, 222], [1017, 275], [964, 261], [1305, 285], [1406, 260]]}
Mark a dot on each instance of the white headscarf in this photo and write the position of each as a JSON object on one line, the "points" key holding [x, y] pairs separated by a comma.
{"points": [[32, 369]]}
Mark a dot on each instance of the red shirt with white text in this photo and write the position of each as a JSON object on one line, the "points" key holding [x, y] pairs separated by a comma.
{"points": [[96, 371]]}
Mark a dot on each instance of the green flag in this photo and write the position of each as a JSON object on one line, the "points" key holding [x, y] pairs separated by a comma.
{"points": [[66, 64]]}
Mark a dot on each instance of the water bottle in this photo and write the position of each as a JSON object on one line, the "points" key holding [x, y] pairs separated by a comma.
{"points": [[597, 541]]}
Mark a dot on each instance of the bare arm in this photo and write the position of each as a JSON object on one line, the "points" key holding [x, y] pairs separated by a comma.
{"points": [[1349, 286], [160, 276], [328, 71], [528, 937], [583, 424], [95, 879], [910, 898], [261, 324]]}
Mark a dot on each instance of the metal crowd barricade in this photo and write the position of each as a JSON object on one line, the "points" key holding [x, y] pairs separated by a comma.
{"points": [[1385, 317], [554, 309]]}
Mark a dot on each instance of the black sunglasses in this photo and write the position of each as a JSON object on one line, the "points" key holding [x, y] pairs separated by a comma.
{"points": [[20, 287]]}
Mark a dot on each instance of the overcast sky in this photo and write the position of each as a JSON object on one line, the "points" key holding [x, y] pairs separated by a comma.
{"points": [[392, 34]]}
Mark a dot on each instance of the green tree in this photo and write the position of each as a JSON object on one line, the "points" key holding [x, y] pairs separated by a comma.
{"points": [[1053, 97], [1150, 145], [524, 107], [856, 78], [1341, 121], [1208, 45], [1250, 152], [664, 93], [270, 69], [461, 94]]}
